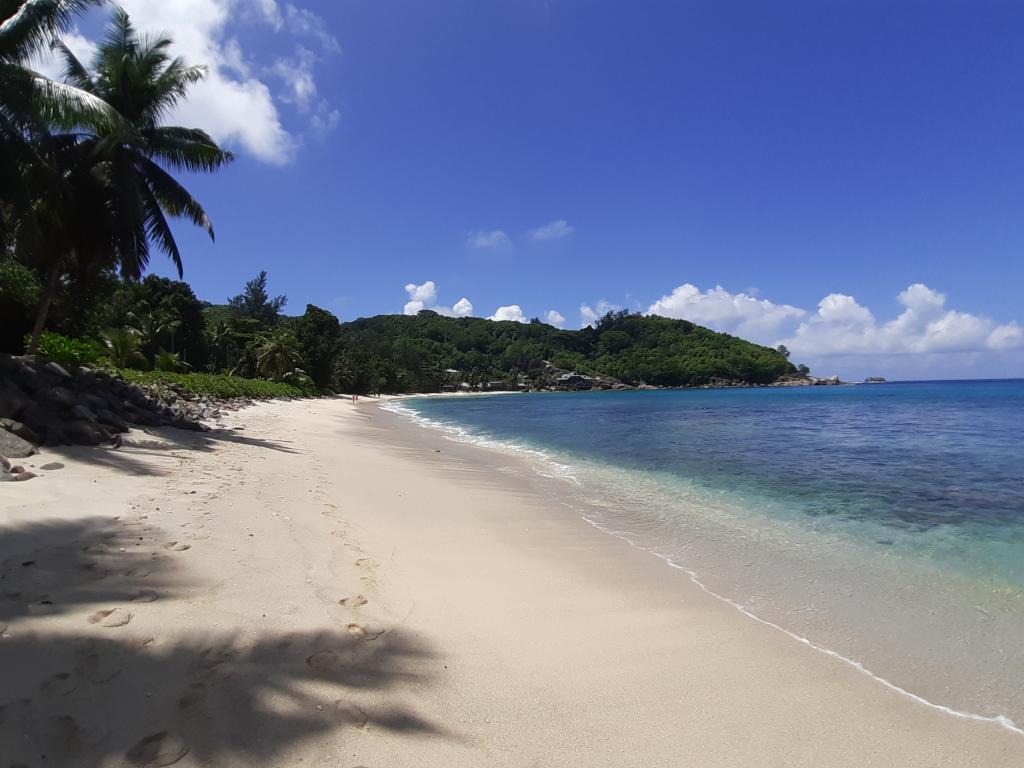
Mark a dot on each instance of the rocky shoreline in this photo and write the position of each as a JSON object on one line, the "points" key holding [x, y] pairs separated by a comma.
{"points": [[43, 403]]}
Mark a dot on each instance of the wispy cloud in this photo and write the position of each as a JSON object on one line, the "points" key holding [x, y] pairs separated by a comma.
{"points": [[553, 231], [483, 239], [589, 315]]}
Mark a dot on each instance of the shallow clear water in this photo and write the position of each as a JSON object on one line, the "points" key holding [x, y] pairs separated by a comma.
{"points": [[882, 522]]}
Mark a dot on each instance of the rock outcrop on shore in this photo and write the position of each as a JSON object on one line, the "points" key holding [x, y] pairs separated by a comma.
{"points": [[42, 403]]}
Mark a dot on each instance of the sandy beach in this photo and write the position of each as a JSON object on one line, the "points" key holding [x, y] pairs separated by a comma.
{"points": [[322, 583]]}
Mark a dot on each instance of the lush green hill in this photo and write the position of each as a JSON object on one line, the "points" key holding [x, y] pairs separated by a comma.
{"points": [[402, 353]]}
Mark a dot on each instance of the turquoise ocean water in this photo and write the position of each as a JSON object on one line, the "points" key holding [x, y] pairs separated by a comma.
{"points": [[883, 524]]}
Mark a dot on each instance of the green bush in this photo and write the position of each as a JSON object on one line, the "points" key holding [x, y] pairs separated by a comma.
{"points": [[216, 384], [69, 352]]}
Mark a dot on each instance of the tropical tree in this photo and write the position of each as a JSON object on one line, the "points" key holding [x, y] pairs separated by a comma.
{"points": [[278, 355], [123, 347], [153, 325], [169, 361], [128, 158], [29, 102], [223, 338], [254, 302]]}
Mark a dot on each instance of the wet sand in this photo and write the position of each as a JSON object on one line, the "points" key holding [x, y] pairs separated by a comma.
{"points": [[332, 586]]}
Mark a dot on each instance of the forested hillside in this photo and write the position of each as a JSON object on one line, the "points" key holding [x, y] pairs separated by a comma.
{"points": [[413, 353]]}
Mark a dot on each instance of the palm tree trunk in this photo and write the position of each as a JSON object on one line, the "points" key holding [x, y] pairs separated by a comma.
{"points": [[49, 293]]}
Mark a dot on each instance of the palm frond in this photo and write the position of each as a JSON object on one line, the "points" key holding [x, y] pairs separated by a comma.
{"points": [[186, 149], [28, 26], [68, 107], [74, 72], [173, 197], [159, 231]]}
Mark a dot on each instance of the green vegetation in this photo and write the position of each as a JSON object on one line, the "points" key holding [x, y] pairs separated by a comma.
{"points": [[398, 353], [69, 352], [215, 385]]}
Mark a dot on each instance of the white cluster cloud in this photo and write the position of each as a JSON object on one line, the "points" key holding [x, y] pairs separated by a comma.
{"points": [[841, 326], [553, 231], [918, 341], [555, 318], [424, 296], [738, 313], [511, 312], [495, 238], [235, 103], [589, 315]]}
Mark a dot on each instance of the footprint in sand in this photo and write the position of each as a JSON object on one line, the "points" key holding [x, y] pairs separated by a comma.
{"points": [[158, 749], [366, 562], [362, 633], [194, 696], [174, 546], [355, 601], [325, 661], [98, 669], [61, 684], [113, 617], [350, 714]]}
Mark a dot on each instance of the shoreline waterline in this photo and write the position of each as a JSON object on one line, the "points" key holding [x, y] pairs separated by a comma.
{"points": [[558, 467]]}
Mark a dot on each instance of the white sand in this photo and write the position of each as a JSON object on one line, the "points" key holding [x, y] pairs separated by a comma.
{"points": [[177, 602]]}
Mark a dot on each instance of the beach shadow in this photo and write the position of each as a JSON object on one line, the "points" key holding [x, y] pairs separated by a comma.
{"points": [[52, 567], [221, 700], [150, 451]]}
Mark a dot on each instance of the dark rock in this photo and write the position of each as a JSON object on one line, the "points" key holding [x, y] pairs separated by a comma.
{"points": [[23, 476], [52, 466], [12, 402], [21, 430], [61, 397], [82, 432], [15, 447], [95, 402], [83, 412], [28, 377], [57, 370], [112, 420]]}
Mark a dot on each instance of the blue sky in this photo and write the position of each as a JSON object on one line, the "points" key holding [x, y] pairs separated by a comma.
{"points": [[846, 177]]}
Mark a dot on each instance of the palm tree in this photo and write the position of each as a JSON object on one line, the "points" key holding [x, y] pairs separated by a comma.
{"points": [[123, 347], [169, 361], [152, 325], [34, 184], [224, 336], [278, 355], [136, 76], [29, 102]]}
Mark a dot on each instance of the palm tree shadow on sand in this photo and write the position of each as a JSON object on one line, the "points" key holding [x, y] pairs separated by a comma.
{"points": [[107, 694]]}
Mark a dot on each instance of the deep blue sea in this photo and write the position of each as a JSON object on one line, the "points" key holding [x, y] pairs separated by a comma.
{"points": [[884, 523]]}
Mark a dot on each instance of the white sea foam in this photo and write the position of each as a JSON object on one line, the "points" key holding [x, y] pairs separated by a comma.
{"points": [[542, 462], [545, 464]]}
